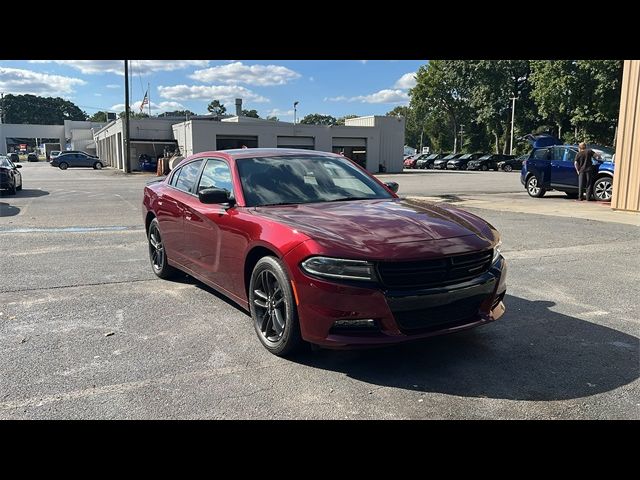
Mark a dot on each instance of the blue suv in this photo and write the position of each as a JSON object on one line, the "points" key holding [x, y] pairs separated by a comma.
{"points": [[551, 168]]}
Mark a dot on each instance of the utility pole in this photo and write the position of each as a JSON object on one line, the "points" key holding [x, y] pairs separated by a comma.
{"points": [[513, 111], [295, 105], [2, 107], [461, 136], [127, 149]]}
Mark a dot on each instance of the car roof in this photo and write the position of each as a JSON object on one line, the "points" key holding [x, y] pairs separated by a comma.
{"points": [[265, 152]]}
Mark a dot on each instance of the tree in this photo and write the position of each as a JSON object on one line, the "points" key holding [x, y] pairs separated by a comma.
{"points": [[412, 130], [177, 113], [33, 109], [216, 108], [100, 117], [133, 114], [318, 119], [273, 118], [250, 113], [441, 95], [342, 120]]}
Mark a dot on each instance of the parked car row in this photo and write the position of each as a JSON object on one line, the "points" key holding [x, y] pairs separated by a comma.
{"points": [[457, 161]]}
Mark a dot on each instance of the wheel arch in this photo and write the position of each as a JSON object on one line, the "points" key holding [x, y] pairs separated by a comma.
{"points": [[252, 258], [147, 221]]}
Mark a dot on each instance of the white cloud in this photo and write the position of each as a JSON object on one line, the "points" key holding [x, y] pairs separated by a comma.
{"points": [[97, 94], [276, 112], [20, 81], [237, 72], [406, 81], [142, 67], [224, 93], [383, 96], [113, 85], [156, 108]]}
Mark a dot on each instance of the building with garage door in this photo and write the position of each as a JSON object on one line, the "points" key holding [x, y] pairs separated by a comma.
{"points": [[375, 142]]}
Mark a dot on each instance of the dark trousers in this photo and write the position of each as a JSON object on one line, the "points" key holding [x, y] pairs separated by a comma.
{"points": [[585, 181]]}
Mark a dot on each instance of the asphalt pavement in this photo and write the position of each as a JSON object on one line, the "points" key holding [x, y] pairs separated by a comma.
{"points": [[88, 332]]}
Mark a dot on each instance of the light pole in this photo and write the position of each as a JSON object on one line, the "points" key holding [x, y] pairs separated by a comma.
{"points": [[513, 111], [461, 137], [295, 104]]}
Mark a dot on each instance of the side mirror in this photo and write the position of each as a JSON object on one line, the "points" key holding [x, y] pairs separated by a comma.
{"points": [[216, 195], [393, 186], [18, 165]]}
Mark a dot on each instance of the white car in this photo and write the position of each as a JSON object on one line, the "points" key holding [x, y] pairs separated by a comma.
{"points": [[53, 154]]}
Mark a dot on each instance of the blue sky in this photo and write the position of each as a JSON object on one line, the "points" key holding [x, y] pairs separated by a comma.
{"points": [[333, 87]]}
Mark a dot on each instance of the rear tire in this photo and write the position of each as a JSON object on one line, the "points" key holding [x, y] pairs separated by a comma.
{"points": [[507, 168], [63, 166], [273, 307], [533, 189]]}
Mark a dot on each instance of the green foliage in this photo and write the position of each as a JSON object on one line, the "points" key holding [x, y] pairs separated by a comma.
{"points": [[40, 110], [133, 114], [317, 119], [341, 120], [574, 99], [99, 117], [250, 113], [177, 113], [216, 108]]}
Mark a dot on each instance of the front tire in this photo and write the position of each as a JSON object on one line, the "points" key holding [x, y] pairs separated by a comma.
{"points": [[157, 253], [63, 166], [533, 188], [602, 188], [484, 168], [97, 166], [273, 307]]}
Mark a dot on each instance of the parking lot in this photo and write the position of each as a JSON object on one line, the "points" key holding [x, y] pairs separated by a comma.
{"points": [[88, 331]]}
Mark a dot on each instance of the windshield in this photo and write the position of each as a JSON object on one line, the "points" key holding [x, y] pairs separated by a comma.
{"points": [[465, 157], [4, 162], [485, 157], [294, 179], [449, 157], [432, 156]]}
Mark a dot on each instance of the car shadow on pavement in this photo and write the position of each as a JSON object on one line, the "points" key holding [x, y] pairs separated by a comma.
{"points": [[30, 193], [187, 279], [7, 210], [531, 353]]}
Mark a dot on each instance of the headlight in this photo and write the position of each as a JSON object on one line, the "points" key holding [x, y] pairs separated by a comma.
{"points": [[339, 268], [496, 252]]}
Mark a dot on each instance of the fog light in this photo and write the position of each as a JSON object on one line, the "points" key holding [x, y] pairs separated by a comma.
{"points": [[356, 324]]}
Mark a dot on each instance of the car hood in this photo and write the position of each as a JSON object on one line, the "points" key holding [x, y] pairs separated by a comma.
{"points": [[378, 227]]}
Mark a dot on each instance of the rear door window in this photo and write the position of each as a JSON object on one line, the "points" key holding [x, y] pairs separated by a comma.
{"points": [[188, 176], [542, 154]]}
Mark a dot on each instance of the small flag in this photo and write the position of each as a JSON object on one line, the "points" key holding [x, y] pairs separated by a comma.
{"points": [[145, 100]]}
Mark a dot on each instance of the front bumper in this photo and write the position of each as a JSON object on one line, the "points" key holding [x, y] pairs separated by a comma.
{"points": [[398, 315]]}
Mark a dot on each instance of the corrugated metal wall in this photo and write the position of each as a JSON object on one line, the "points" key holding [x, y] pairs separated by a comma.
{"points": [[626, 181]]}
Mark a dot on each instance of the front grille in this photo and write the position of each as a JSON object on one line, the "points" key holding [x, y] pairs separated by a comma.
{"points": [[440, 271], [439, 317]]}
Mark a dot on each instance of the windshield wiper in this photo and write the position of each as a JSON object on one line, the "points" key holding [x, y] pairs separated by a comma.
{"points": [[351, 198], [273, 204]]}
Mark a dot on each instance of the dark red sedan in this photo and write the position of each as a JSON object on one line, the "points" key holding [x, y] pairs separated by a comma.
{"points": [[321, 251]]}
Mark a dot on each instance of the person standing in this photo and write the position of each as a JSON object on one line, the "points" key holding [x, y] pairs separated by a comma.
{"points": [[584, 169]]}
